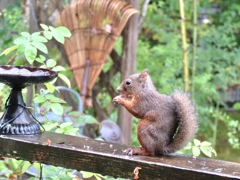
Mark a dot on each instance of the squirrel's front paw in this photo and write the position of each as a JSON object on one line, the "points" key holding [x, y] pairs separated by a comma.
{"points": [[116, 100]]}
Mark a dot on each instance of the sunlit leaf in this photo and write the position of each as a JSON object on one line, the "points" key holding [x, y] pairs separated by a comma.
{"points": [[50, 87], [58, 68], [47, 35], [20, 40], [207, 151], [50, 125], [206, 143], [65, 124], [44, 26], [51, 63], [57, 108], [8, 50], [21, 48], [25, 166], [64, 31], [196, 142], [196, 151], [39, 99], [65, 79], [86, 174], [59, 37], [25, 34], [40, 46], [54, 99], [38, 38], [30, 53]]}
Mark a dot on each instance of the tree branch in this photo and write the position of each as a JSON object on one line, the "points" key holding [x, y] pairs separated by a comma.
{"points": [[143, 14]]}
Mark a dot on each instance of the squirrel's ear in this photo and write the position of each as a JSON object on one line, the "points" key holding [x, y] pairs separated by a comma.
{"points": [[144, 73], [143, 76]]}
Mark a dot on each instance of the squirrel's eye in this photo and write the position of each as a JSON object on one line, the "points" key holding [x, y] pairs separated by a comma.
{"points": [[128, 82]]}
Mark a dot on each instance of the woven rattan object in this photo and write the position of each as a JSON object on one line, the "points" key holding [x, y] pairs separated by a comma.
{"points": [[95, 26]]}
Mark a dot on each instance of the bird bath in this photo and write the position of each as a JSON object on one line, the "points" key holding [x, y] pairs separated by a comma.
{"points": [[17, 119]]}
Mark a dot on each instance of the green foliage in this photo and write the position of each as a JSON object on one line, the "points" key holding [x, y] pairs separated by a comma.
{"points": [[11, 168], [28, 45], [197, 147], [49, 101], [11, 24], [92, 175], [53, 173]]}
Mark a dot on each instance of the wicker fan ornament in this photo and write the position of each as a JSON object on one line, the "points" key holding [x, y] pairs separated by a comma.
{"points": [[95, 26]]}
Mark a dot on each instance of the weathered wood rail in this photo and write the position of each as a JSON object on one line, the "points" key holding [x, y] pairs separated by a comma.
{"points": [[107, 159]]}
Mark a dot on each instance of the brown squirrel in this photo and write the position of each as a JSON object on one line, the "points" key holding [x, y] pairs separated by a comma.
{"points": [[167, 123]]}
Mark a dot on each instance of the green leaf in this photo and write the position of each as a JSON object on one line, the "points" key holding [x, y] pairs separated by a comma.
{"points": [[50, 125], [21, 48], [50, 87], [74, 114], [58, 130], [8, 50], [51, 63], [196, 142], [90, 119], [58, 68], [25, 34], [86, 174], [44, 26], [64, 31], [39, 60], [30, 53], [205, 143], [236, 105], [25, 166], [40, 46], [36, 34], [39, 99], [21, 40], [54, 99], [207, 151], [196, 151], [57, 108], [65, 79], [65, 124], [37, 166], [20, 60], [47, 34], [58, 36], [36, 37]]}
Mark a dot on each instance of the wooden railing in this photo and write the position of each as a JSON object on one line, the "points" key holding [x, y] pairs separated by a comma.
{"points": [[107, 159]]}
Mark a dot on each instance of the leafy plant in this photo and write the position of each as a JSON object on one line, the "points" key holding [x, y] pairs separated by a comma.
{"points": [[197, 147], [11, 168], [92, 175], [28, 45], [49, 102], [52, 172]]}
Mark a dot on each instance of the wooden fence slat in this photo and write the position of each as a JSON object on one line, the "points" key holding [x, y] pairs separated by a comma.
{"points": [[107, 159]]}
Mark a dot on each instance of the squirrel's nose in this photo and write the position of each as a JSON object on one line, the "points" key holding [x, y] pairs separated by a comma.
{"points": [[119, 89]]}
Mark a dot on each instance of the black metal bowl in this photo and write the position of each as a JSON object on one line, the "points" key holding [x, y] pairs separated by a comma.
{"points": [[19, 77]]}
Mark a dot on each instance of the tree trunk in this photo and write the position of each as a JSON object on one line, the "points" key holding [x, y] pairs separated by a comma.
{"points": [[128, 66]]}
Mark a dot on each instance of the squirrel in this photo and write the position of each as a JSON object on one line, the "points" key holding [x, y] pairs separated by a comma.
{"points": [[167, 123]]}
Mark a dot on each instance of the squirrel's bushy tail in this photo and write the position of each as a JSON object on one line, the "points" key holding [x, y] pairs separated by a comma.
{"points": [[188, 123]]}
